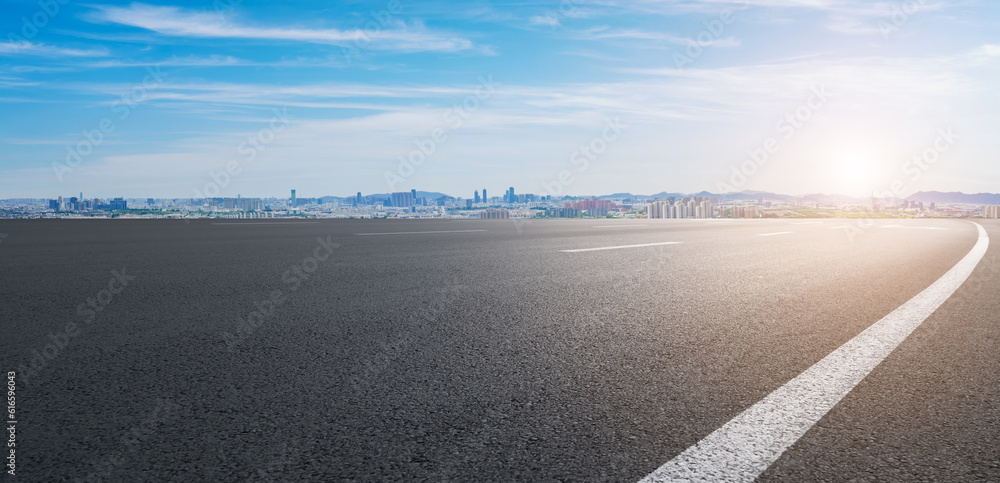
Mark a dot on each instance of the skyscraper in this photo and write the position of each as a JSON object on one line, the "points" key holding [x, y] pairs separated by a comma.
{"points": [[292, 202], [485, 199], [511, 197], [402, 199], [477, 197]]}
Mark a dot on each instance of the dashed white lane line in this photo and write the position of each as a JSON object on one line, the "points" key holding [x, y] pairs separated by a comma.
{"points": [[416, 232], [915, 227], [778, 233], [619, 226], [271, 223], [745, 446], [839, 227], [618, 247], [808, 223]]}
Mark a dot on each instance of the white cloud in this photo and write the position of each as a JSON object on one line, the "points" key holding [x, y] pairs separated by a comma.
{"points": [[548, 20], [40, 49], [174, 21], [598, 33]]}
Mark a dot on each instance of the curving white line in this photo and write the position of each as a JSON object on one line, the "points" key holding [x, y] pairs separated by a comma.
{"points": [[745, 446]]}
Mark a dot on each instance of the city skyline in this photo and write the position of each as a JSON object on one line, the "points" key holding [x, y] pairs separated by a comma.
{"points": [[568, 97]]}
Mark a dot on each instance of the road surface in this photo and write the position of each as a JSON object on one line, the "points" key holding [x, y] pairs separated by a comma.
{"points": [[499, 350]]}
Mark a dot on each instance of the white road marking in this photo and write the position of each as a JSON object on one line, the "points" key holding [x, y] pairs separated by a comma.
{"points": [[778, 233], [416, 232], [914, 227], [839, 227], [808, 223], [616, 226], [271, 223], [745, 446], [617, 247]]}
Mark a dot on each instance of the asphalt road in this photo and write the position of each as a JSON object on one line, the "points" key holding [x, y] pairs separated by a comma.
{"points": [[447, 350]]}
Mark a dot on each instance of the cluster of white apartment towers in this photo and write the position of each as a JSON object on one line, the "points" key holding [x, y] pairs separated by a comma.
{"points": [[681, 209]]}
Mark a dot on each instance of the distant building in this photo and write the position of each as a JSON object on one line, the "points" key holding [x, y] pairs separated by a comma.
{"points": [[402, 199], [686, 208], [593, 206], [118, 204], [477, 197], [494, 214], [292, 201], [991, 211], [564, 213], [485, 199]]}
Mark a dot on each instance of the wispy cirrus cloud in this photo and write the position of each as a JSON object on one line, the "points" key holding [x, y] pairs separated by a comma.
{"points": [[605, 32], [547, 20], [45, 50], [178, 22]]}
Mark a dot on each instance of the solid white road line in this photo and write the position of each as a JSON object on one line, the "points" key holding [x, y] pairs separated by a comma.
{"points": [[839, 227], [808, 223], [416, 232], [615, 248], [616, 226], [778, 233], [914, 227], [270, 223], [745, 446]]}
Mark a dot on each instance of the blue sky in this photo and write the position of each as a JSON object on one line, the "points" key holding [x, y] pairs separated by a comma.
{"points": [[159, 99]]}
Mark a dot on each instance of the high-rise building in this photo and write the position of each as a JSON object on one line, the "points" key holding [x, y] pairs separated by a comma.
{"points": [[292, 201], [476, 199], [485, 199], [402, 199], [414, 193]]}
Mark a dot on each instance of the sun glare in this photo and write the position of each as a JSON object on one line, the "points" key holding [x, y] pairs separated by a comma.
{"points": [[856, 174]]}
